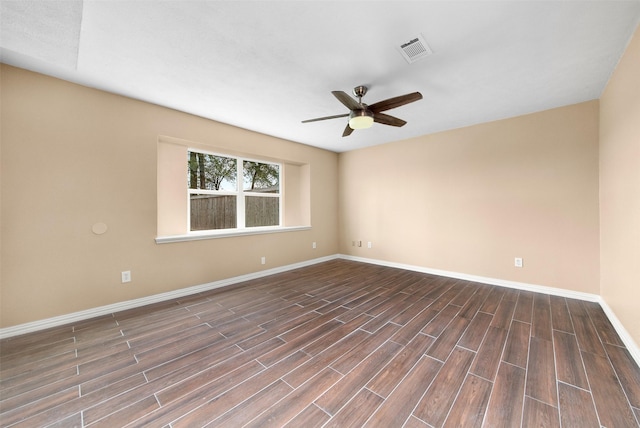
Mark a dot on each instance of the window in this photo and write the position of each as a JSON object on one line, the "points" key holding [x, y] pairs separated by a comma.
{"points": [[232, 192], [276, 200]]}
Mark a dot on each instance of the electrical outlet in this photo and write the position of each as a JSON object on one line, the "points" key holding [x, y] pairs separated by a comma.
{"points": [[369, 245], [313, 244], [518, 262], [263, 260], [126, 276]]}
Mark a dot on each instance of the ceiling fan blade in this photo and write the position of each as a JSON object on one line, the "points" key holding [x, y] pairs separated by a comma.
{"points": [[345, 99], [385, 119], [325, 118], [394, 102], [347, 131]]}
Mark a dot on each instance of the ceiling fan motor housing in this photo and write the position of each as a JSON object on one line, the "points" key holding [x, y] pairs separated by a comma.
{"points": [[360, 91]]}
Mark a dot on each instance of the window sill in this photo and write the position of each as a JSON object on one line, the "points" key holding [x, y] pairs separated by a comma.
{"points": [[197, 236]]}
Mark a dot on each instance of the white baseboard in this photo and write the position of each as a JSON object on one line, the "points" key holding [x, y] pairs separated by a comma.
{"points": [[481, 279], [632, 347], [156, 298], [626, 338]]}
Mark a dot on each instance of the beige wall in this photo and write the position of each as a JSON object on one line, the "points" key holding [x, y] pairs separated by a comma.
{"points": [[467, 200], [73, 157], [472, 199], [620, 190]]}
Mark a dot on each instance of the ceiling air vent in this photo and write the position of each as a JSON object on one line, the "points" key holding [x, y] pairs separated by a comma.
{"points": [[415, 49]]}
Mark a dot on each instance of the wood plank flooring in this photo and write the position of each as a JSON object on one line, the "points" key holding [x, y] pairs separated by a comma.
{"points": [[337, 344]]}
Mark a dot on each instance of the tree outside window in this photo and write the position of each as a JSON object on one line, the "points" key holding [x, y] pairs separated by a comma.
{"points": [[216, 200]]}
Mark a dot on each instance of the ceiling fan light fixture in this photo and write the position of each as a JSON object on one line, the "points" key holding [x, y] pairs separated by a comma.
{"points": [[360, 119]]}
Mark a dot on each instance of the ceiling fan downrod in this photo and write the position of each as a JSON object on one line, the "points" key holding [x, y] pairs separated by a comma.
{"points": [[359, 92]]}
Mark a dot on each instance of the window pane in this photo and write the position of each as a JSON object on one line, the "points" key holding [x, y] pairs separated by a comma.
{"points": [[211, 172], [261, 177], [261, 211], [212, 212]]}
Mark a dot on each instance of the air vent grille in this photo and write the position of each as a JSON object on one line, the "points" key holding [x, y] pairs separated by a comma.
{"points": [[415, 49]]}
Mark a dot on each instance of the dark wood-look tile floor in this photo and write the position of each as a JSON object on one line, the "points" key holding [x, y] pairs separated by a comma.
{"points": [[336, 344]]}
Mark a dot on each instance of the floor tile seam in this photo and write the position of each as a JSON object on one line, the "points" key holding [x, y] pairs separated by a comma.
{"points": [[636, 414], [353, 397], [187, 341], [263, 312], [151, 328], [215, 397], [129, 404], [100, 341], [411, 413], [580, 345], [293, 391], [178, 357], [322, 410], [465, 348], [557, 407], [589, 380], [279, 336], [620, 384], [565, 332], [371, 376], [456, 345], [179, 334], [248, 315], [504, 347], [493, 384], [154, 391], [64, 365], [197, 298], [574, 386], [513, 320], [251, 308], [434, 318], [555, 366], [28, 367], [151, 317], [48, 409], [372, 391], [395, 388], [48, 384], [211, 423], [365, 356], [41, 348], [486, 331], [453, 403], [584, 368], [526, 369], [199, 373], [275, 336], [603, 342]]}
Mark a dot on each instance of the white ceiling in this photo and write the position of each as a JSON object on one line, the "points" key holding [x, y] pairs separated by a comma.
{"points": [[268, 65]]}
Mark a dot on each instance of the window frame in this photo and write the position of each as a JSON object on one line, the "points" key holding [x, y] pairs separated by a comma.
{"points": [[240, 195]]}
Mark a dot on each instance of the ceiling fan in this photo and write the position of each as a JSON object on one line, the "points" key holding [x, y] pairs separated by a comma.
{"points": [[362, 116]]}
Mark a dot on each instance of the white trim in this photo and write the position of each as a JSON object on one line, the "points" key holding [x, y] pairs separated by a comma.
{"points": [[156, 298], [622, 332], [482, 279], [626, 338], [227, 233], [632, 347]]}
